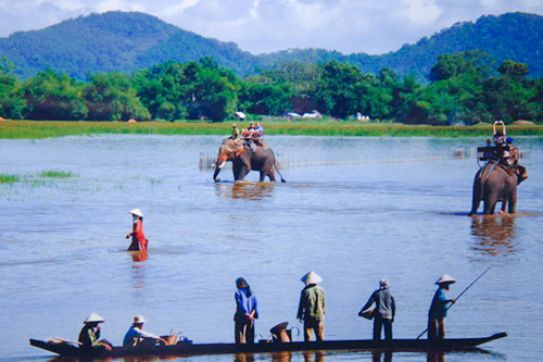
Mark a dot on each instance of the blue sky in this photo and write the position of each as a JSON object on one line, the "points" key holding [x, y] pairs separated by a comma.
{"points": [[371, 26]]}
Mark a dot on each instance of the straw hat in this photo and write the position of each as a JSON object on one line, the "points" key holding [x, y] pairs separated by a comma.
{"points": [[446, 279], [136, 212], [94, 318], [139, 319], [311, 278]]}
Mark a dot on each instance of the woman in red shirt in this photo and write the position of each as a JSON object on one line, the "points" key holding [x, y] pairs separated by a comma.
{"points": [[139, 242]]}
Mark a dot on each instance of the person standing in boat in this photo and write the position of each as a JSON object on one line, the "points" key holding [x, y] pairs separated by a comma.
{"points": [[246, 313], [135, 333], [384, 312], [438, 308], [90, 334], [312, 307], [139, 242]]}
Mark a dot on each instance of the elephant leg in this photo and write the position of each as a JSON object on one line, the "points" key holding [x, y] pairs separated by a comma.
{"points": [[490, 203], [513, 201], [476, 198], [262, 176], [504, 206], [271, 176]]}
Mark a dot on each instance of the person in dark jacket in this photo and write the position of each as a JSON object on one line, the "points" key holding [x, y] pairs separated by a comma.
{"points": [[438, 308], [384, 312], [246, 313]]}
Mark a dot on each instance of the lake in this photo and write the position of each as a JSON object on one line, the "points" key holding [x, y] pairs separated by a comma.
{"points": [[354, 210]]}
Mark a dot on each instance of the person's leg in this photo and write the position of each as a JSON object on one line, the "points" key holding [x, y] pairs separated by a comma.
{"points": [[320, 331], [388, 329], [307, 331], [251, 333], [441, 330], [377, 325], [432, 331]]}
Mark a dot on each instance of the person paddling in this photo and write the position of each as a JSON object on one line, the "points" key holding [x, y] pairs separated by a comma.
{"points": [[90, 334], [246, 313], [312, 307], [135, 334], [438, 308], [385, 310], [139, 242]]}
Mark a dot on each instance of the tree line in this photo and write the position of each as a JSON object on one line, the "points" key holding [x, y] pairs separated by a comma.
{"points": [[462, 87]]}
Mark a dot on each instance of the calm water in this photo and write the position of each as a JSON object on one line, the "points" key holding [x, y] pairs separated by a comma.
{"points": [[354, 210]]}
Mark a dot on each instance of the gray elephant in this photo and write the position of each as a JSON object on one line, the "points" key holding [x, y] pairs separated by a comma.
{"points": [[245, 156], [496, 182]]}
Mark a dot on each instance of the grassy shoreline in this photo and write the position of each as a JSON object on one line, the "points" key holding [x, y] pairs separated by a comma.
{"points": [[47, 129]]}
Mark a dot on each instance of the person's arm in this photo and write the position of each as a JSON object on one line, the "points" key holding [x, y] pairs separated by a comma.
{"points": [[301, 307], [370, 301], [323, 302], [144, 334], [393, 306]]}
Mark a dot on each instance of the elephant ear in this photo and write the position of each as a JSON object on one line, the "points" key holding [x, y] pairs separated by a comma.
{"points": [[233, 146]]}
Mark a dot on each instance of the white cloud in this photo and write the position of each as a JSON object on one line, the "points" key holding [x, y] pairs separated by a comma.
{"points": [[268, 25]]}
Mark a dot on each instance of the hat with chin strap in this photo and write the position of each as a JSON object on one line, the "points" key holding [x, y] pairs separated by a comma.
{"points": [[94, 318]]}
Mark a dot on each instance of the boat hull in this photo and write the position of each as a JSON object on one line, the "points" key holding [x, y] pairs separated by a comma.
{"points": [[186, 349]]}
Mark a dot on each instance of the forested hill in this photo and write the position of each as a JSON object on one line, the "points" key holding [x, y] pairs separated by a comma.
{"points": [[114, 41], [121, 41], [515, 36]]}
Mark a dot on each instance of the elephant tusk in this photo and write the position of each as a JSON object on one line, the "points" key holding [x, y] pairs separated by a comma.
{"points": [[222, 165]]}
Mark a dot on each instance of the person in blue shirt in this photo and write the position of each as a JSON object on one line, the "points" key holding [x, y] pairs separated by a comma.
{"points": [[246, 313], [438, 308], [135, 334]]}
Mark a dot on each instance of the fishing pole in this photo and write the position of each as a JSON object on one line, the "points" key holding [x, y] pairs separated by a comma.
{"points": [[460, 295]]}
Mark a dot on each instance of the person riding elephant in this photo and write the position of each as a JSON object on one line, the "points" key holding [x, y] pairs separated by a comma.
{"points": [[246, 158]]}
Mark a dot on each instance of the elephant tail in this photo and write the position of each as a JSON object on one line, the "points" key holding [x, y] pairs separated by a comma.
{"points": [[279, 173]]}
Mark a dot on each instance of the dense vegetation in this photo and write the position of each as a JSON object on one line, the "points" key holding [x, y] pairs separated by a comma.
{"points": [[126, 42], [464, 87]]}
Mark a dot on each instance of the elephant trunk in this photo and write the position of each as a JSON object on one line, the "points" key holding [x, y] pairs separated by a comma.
{"points": [[219, 165]]}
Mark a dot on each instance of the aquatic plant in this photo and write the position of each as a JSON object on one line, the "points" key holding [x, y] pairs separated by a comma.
{"points": [[8, 179], [56, 174]]}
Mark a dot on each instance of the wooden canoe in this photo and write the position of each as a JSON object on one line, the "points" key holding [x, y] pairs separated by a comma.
{"points": [[187, 349]]}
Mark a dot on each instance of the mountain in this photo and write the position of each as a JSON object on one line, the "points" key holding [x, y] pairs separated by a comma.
{"points": [[127, 41], [515, 36], [114, 41]]}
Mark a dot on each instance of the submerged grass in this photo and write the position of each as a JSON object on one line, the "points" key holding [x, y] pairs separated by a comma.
{"points": [[327, 127], [8, 179], [56, 174]]}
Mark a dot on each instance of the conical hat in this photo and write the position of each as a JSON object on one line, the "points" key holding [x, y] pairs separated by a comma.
{"points": [[94, 318], [446, 279], [311, 278], [136, 212]]}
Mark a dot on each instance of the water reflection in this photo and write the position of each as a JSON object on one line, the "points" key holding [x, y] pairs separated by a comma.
{"points": [[376, 356], [494, 233], [313, 356], [435, 356], [138, 273], [244, 190]]}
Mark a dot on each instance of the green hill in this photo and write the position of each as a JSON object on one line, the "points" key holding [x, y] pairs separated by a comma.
{"points": [[121, 41]]}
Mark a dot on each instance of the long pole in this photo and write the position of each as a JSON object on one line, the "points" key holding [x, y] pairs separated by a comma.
{"points": [[460, 295]]}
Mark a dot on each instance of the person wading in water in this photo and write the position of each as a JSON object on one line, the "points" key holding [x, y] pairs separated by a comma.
{"points": [[312, 307], [139, 242], [438, 308]]}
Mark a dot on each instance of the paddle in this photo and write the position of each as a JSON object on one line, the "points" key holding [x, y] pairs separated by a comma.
{"points": [[460, 295]]}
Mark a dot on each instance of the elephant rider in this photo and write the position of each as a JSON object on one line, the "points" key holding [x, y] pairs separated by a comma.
{"points": [[312, 307], [438, 308], [235, 132], [384, 312], [135, 334], [248, 135], [90, 334], [139, 242]]}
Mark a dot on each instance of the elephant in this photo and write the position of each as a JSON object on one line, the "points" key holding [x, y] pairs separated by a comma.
{"points": [[245, 156], [497, 182]]}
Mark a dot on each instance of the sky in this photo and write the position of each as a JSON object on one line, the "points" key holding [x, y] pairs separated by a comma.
{"points": [[261, 26]]}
